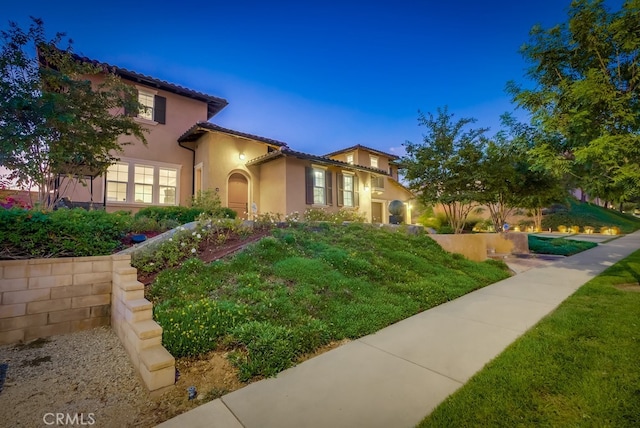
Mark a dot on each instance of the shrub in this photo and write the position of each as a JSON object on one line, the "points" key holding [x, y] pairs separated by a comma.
{"points": [[62, 233]]}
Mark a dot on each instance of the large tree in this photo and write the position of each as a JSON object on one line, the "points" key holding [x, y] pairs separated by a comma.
{"points": [[512, 181], [55, 121], [587, 91], [445, 167]]}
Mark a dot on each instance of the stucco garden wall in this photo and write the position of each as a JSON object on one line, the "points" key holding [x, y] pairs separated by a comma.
{"points": [[479, 246], [47, 297]]}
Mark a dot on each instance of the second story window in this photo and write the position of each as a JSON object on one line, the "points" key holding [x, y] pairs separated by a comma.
{"points": [[350, 158], [146, 101], [377, 182], [153, 107], [373, 161]]}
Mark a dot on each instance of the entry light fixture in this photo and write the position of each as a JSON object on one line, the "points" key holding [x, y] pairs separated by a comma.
{"points": [[242, 156]]}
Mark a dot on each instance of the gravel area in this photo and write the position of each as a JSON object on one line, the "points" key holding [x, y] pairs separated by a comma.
{"points": [[86, 375]]}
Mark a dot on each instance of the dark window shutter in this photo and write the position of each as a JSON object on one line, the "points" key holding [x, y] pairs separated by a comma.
{"points": [[356, 192], [308, 179], [160, 109], [131, 99], [329, 188], [340, 182]]}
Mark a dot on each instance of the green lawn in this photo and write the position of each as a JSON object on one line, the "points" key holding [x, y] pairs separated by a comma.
{"points": [[304, 286], [580, 366], [558, 246]]}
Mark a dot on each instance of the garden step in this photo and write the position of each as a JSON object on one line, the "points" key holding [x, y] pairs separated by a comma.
{"points": [[146, 329], [137, 305], [156, 358]]}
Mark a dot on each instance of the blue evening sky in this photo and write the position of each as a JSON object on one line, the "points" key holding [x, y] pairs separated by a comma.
{"points": [[318, 75]]}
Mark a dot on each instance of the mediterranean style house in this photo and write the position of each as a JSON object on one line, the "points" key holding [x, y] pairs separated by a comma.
{"points": [[186, 154]]}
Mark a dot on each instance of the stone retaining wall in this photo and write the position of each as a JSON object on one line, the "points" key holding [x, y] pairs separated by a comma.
{"points": [[47, 297]]}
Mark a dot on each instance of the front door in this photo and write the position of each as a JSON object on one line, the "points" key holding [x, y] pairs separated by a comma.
{"points": [[376, 212], [238, 195]]}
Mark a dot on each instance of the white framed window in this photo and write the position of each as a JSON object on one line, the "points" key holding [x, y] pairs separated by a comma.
{"points": [[350, 158], [133, 181], [319, 190], [143, 179], [373, 161], [168, 182], [117, 182], [146, 100], [153, 107], [319, 186], [347, 190]]}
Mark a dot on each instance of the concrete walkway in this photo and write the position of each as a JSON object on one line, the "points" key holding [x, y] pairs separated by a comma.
{"points": [[397, 376]]}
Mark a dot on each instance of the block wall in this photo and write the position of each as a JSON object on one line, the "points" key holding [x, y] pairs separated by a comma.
{"points": [[46, 297]]}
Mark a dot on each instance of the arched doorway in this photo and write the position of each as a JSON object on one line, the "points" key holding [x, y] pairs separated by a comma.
{"points": [[238, 189]]}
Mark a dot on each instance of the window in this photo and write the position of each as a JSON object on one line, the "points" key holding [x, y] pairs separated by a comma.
{"points": [[117, 179], [318, 186], [143, 183], [152, 107], [377, 182], [350, 158], [167, 180], [146, 100], [374, 161], [347, 190]]}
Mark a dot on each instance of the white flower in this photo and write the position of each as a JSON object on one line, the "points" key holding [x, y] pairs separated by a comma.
{"points": [[170, 239], [193, 234], [193, 250], [182, 244], [198, 236]]}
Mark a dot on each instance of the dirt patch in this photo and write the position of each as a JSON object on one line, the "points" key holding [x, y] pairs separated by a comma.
{"points": [[633, 287]]}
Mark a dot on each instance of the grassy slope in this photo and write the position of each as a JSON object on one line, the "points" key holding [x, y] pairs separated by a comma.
{"points": [[305, 286], [584, 214], [580, 366]]}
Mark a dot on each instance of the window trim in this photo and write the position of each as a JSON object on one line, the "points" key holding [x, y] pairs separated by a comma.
{"points": [[355, 191], [156, 197], [377, 159], [310, 186]]}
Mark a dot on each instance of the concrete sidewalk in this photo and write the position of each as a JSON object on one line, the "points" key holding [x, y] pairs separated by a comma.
{"points": [[397, 376]]}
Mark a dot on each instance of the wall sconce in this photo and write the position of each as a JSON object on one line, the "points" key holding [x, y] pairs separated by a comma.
{"points": [[366, 188], [241, 156]]}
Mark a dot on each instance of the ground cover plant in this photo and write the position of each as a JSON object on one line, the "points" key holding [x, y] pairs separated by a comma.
{"points": [[306, 285], [584, 214], [558, 246], [577, 367]]}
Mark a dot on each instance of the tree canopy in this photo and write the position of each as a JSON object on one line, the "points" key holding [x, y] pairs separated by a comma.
{"points": [[587, 93], [59, 115], [445, 167]]}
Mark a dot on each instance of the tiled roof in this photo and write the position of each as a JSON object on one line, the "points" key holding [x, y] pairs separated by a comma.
{"points": [[214, 104], [360, 146], [200, 128], [285, 151]]}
